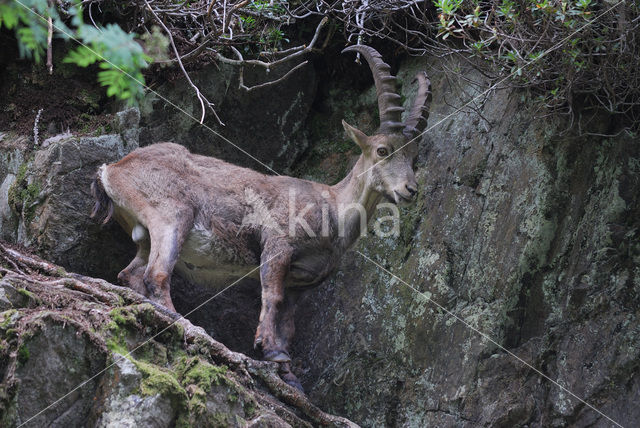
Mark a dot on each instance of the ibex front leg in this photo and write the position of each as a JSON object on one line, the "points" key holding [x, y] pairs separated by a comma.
{"points": [[286, 331], [274, 267]]}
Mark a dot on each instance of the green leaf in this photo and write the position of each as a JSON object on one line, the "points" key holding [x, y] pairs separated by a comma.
{"points": [[9, 16], [31, 42], [82, 56]]}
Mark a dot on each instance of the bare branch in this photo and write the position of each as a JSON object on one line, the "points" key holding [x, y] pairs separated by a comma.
{"points": [[296, 52], [204, 102]]}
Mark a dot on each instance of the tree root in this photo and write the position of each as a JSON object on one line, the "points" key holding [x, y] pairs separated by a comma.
{"points": [[88, 304]]}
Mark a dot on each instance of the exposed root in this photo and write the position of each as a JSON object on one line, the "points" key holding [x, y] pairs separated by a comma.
{"points": [[106, 313]]}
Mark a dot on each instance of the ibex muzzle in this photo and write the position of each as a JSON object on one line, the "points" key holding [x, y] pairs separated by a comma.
{"points": [[190, 212]]}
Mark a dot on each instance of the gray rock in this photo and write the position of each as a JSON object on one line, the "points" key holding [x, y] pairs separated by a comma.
{"points": [[53, 201], [78, 351], [11, 157], [123, 407], [523, 233], [126, 124], [51, 365], [265, 123], [10, 297]]}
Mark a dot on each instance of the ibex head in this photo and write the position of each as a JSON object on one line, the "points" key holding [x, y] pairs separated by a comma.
{"points": [[389, 155]]}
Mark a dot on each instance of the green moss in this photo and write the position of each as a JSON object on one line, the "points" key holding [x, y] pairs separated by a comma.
{"points": [[13, 195], [410, 218], [23, 354], [117, 335], [195, 371], [117, 346], [166, 369], [250, 409], [6, 318], [158, 381], [153, 352], [88, 99], [11, 333], [23, 196], [22, 172], [218, 419], [28, 294], [123, 317]]}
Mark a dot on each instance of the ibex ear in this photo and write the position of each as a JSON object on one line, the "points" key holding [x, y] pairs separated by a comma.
{"points": [[359, 137]]}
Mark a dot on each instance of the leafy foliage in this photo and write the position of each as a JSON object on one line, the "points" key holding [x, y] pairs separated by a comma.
{"points": [[573, 54], [120, 58], [561, 48]]}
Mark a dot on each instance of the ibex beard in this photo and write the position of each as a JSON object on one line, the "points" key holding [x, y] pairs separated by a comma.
{"points": [[213, 221]]}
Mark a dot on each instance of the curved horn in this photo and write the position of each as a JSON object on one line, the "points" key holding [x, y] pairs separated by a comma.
{"points": [[417, 120], [389, 101]]}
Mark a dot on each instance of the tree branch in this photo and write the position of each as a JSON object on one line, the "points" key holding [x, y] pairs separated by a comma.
{"points": [[204, 102]]}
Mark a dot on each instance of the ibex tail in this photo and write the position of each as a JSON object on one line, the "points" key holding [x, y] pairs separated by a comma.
{"points": [[103, 208]]}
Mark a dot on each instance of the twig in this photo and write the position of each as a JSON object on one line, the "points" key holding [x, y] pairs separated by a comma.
{"points": [[269, 65], [230, 13], [241, 84], [295, 52], [204, 102]]}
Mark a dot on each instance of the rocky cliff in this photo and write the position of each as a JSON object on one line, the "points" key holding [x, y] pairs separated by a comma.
{"points": [[78, 351], [524, 243], [510, 298]]}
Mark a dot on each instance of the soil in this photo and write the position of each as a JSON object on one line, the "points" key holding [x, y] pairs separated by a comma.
{"points": [[70, 98]]}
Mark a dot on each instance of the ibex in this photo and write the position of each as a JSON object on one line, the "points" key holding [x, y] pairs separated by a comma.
{"points": [[189, 212]]}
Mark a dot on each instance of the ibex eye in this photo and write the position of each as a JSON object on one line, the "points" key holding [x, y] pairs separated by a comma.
{"points": [[382, 152]]}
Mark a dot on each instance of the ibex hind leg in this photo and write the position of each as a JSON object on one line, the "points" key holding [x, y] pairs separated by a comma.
{"points": [[132, 275], [167, 238]]}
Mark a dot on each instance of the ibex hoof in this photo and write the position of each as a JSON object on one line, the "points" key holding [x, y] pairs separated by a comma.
{"points": [[290, 379], [277, 356], [150, 287], [257, 344], [123, 279], [295, 383]]}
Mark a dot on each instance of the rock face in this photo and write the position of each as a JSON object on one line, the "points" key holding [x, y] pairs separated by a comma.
{"points": [[265, 124], [77, 351], [48, 198], [522, 232], [517, 272]]}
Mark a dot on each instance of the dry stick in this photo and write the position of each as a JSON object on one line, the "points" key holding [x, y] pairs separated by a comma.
{"points": [[298, 51], [241, 84], [230, 13], [203, 100], [210, 8], [30, 262], [269, 65]]}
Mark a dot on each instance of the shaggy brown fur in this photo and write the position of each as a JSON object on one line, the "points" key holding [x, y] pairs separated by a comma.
{"points": [[214, 221]]}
